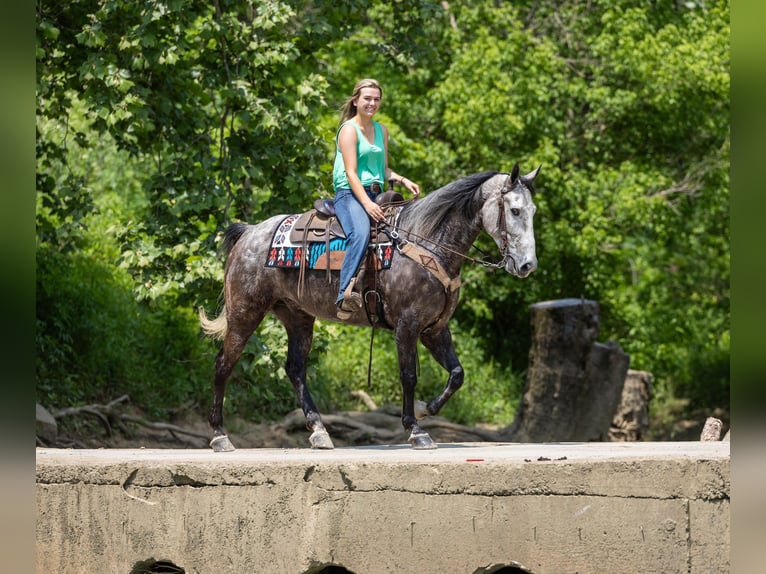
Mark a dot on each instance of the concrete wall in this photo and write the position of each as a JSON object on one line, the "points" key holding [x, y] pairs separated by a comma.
{"points": [[542, 508]]}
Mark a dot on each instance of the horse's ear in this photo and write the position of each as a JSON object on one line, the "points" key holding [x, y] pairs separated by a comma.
{"points": [[530, 177], [515, 174]]}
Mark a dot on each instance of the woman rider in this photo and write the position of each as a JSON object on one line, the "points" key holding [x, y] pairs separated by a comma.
{"points": [[361, 168]]}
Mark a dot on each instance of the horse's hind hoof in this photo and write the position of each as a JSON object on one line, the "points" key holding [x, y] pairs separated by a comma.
{"points": [[321, 439], [422, 441], [221, 444]]}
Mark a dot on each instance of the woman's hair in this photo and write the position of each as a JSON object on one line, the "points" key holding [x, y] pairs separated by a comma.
{"points": [[348, 110]]}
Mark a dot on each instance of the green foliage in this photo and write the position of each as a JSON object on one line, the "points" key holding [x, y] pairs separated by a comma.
{"points": [[160, 122], [95, 342], [633, 138], [213, 94]]}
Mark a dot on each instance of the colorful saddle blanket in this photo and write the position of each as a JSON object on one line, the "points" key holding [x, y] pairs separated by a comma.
{"points": [[320, 243]]}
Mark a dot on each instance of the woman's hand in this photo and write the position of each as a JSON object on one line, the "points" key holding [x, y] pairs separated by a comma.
{"points": [[411, 186], [374, 211]]}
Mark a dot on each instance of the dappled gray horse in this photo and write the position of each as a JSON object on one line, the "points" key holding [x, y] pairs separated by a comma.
{"points": [[417, 294]]}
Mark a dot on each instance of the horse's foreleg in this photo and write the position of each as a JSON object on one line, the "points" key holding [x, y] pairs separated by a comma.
{"points": [[441, 347], [406, 346], [300, 335]]}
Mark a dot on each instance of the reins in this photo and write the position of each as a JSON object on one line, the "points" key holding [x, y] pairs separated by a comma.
{"points": [[394, 234]]}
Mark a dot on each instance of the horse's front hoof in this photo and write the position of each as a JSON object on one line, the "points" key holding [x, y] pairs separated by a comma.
{"points": [[221, 444], [422, 441], [321, 439]]}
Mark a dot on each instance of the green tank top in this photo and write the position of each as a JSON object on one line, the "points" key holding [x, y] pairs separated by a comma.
{"points": [[370, 158]]}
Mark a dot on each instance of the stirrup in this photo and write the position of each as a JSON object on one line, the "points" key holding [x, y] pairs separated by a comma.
{"points": [[349, 292]]}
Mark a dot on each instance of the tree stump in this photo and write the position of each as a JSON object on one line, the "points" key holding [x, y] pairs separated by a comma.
{"points": [[574, 384], [631, 420], [712, 430]]}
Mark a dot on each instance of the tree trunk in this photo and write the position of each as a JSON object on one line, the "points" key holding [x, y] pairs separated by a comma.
{"points": [[631, 420], [574, 384]]}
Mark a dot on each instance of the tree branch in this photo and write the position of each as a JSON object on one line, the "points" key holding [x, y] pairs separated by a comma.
{"points": [[107, 414]]}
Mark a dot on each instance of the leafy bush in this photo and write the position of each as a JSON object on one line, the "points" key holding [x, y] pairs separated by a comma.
{"points": [[95, 342]]}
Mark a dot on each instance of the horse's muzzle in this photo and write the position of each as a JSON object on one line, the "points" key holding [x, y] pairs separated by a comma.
{"points": [[521, 268]]}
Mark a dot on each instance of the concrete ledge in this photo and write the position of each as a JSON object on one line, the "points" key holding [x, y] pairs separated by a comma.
{"points": [[464, 508]]}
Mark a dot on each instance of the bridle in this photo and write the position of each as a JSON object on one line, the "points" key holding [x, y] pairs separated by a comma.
{"points": [[504, 251]]}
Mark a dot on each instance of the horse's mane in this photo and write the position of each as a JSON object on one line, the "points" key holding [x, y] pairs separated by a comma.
{"points": [[425, 215]]}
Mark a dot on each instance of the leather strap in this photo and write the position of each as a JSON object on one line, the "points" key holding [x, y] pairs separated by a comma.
{"points": [[304, 258], [429, 262]]}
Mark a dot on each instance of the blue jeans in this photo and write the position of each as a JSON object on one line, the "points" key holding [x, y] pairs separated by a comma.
{"points": [[356, 225]]}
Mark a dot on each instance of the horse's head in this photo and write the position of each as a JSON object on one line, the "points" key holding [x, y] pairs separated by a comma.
{"points": [[507, 216]]}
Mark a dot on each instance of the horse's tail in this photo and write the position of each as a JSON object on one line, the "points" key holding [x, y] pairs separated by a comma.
{"points": [[214, 328], [232, 235]]}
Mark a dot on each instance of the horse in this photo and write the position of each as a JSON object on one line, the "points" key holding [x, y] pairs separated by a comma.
{"points": [[417, 295]]}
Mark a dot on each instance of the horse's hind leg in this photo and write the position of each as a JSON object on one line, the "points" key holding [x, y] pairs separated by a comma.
{"points": [[441, 347], [300, 335], [233, 344]]}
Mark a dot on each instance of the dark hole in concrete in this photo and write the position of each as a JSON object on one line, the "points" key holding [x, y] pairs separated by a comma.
{"points": [[153, 566], [328, 569], [516, 568]]}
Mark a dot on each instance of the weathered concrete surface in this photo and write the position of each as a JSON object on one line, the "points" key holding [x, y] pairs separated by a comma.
{"points": [[551, 508]]}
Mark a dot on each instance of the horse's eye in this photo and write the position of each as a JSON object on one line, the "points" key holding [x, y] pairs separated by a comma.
{"points": [[515, 212]]}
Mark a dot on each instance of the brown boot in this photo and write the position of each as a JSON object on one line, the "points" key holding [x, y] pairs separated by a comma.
{"points": [[351, 302]]}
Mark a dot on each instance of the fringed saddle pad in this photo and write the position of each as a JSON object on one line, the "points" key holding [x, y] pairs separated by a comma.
{"points": [[289, 247]]}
